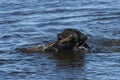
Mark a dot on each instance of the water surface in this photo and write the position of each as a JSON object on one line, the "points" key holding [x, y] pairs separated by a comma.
{"points": [[26, 23]]}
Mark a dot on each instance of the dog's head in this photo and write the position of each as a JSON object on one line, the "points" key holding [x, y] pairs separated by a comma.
{"points": [[71, 37]]}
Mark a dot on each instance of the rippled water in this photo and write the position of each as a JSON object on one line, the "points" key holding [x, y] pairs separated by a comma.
{"points": [[32, 22]]}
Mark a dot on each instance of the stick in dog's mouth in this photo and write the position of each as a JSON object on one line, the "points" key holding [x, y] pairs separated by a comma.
{"points": [[66, 39], [69, 39]]}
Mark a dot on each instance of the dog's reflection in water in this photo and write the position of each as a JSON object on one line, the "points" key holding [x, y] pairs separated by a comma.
{"points": [[68, 59], [69, 40]]}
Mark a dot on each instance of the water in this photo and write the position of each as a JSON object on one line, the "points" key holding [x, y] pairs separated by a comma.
{"points": [[26, 23]]}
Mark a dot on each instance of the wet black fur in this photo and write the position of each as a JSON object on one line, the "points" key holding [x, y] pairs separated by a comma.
{"points": [[76, 40]]}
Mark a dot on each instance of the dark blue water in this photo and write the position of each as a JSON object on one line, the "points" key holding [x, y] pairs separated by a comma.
{"points": [[26, 23]]}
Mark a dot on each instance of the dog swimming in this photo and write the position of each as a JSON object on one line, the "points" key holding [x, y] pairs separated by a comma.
{"points": [[68, 40]]}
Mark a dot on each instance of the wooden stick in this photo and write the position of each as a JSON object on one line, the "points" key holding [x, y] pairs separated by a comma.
{"points": [[66, 39], [61, 41]]}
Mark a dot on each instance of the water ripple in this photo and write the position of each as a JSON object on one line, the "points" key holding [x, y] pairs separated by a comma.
{"points": [[26, 23]]}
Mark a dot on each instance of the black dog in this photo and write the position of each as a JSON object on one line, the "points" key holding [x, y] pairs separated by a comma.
{"points": [[69, 40]]}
